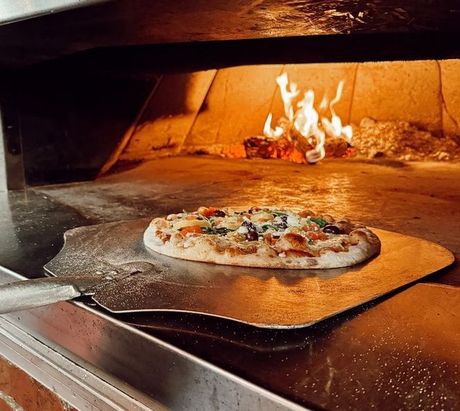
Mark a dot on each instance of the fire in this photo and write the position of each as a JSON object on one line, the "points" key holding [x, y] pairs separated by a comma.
{"points": [[268, 131], [306, 122]]}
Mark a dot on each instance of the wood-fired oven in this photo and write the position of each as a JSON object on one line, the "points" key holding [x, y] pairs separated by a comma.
{"points": [[124, 110]]}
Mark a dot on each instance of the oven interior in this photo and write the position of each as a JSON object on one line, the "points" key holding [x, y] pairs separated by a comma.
{"points": [[121, 144], [73, 126]]}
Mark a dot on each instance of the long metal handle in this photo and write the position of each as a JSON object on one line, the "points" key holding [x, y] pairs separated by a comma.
{"points": [[22, 295]]}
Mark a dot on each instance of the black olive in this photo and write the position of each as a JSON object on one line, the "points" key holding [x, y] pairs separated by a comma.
{"points": [[249, 225], [332, 229], [252, 236], [219, 213]]}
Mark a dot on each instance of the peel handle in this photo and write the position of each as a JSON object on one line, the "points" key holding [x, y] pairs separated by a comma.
{"points": [[22, 295]]}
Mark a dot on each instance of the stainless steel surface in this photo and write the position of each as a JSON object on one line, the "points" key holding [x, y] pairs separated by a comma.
{"points": [[134, 363], [72, 382], [11, 10], [262, 297], [23, 295]]}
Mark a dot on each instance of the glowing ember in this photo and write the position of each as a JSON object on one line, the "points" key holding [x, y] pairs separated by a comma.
{"points": [[306, 123]]}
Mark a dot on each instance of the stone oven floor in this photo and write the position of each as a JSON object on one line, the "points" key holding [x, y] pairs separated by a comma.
{"points": [[417, 198]]}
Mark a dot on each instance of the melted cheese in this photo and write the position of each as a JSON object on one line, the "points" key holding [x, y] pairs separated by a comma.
{"points": [[232, 223], [188, 223]]}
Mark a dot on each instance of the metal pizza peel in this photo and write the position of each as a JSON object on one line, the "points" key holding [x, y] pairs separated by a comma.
{"points": [[125, 277]]}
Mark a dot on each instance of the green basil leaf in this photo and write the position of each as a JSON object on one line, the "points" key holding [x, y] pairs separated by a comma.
{"points": [[322, 223], [266, 227]]}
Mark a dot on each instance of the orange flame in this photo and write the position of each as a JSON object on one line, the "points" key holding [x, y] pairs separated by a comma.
{"points": [[306, 119], [268, 131]]}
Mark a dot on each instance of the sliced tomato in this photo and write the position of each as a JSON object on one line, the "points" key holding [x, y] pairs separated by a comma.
{"points": [[191, 229], [311, 227], [312, 235], [270, 239], [207, 211]]}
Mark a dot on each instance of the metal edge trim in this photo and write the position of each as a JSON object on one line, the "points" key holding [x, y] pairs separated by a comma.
{"points": [[238, 380], [71, 382]]}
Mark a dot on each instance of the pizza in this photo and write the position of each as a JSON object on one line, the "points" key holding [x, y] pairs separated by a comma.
{"points": [[262, 237]]}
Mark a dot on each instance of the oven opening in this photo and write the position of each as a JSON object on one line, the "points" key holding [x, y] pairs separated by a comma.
{"points": [[376, 142], [382, 111], [84, 126], [343, 137]]}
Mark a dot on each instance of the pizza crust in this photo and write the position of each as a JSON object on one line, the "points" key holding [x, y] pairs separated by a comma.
{"points": [[222, 251]]}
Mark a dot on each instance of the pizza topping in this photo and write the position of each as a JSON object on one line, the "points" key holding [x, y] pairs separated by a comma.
{"points": [[262, 217], [196, 229], [230, 222], [328, 218], [251, 235], [270, 238], [242, 230], [280, 231], [216, 230], [180, 224], [280, 222], [318, 220], [310, 226], [263, 237], [306, 213], [292, 221], [296, 241], [162, 236], [336, 243], [332, 229], [211, 211], [312, 235]]}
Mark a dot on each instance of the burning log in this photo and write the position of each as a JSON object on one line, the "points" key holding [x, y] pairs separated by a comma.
{"points": [[294, 150], [309, 133], [282, 148], [300, 136]]}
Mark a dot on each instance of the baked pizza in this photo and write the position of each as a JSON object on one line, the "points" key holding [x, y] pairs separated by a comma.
{"points": [[262, 237]]}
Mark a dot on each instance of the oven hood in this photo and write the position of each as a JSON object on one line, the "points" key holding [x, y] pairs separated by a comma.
{"points": [[222, 33]]}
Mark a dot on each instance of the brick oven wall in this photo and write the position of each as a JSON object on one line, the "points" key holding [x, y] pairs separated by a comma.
{"points": [[18, 391], [214, 111]]}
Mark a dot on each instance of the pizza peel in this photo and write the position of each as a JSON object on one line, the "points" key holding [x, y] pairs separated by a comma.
{"points": [[124, 277]]}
